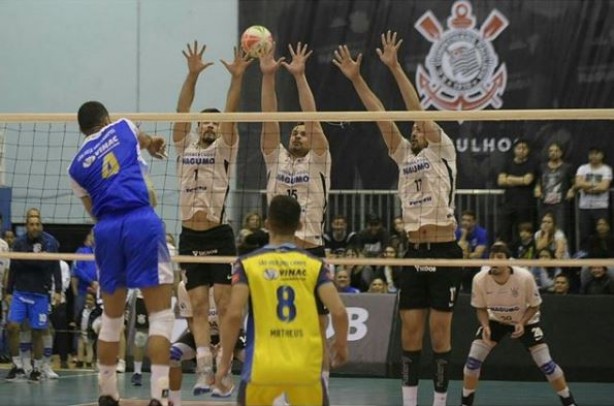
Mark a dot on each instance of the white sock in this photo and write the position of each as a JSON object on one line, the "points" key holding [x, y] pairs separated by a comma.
{"points": [[38, 364], [159, 383], [410, 395], [175, 397], [107, 381], [204, 358], [326, 378], [439, 398], [467, 392], [564, 393], [138, 367]]}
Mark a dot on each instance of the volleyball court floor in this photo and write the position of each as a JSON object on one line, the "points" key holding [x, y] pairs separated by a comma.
{"points": [[79, 388]]}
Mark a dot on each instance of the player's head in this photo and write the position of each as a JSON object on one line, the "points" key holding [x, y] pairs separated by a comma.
{"points": [[418, 140], [299, 144], [92, 116], [34, 227], [499, 250], [284, 215], [208, 131]]}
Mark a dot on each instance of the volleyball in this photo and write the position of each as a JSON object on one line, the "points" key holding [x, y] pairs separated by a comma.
{"points": [[256, 41]]}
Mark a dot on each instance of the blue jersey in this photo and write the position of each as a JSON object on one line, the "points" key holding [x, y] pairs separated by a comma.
{"points": [[110, 169]]}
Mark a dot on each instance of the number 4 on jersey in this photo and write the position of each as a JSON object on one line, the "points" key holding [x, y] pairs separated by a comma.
{"points": [[110, 166]]}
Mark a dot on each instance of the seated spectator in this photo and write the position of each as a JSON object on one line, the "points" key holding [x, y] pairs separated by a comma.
{"points": [[252, 222], [398, 236], [600, 244], [389, 274], [372, 240], [377, 286], [339, 238], [551, 237], [544, 275], [598, 282], [473, 240], [561, 285], [360, 275], [252, 236], [342, 282], [524, 248]]}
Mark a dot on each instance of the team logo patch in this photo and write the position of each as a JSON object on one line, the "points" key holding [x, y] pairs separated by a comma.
{"points": [[514, 292], [271, 274], [462, 70], [37, 247], [87, 162]]}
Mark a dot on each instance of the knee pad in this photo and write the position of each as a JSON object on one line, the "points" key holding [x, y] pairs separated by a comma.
{"points": [[110, 329], [161, 324], [140, 339], [477, 354], [541, 356]]}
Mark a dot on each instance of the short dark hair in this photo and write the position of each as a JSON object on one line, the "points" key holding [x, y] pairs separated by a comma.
{"points": [[210, 110], [522, 141], [470, 213], [91, 114], [284, 215], [500, 247]]}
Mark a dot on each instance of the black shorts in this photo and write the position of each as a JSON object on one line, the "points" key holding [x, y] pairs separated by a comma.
{"points": [[187, 339], [533, 334], [218, 241], [320, 253], [431, 287], [141, 321]]}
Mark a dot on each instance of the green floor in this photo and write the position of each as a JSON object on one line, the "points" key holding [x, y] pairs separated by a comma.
{"points": [[79, 388]]}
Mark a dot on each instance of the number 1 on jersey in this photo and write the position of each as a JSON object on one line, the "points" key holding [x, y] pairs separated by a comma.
{"points": [[110, 165]]}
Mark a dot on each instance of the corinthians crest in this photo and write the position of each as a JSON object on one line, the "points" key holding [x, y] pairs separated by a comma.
{"points": [[459, 71]]}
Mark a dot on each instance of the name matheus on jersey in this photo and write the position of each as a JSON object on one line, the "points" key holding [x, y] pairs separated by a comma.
{"points": [[461, 70]]}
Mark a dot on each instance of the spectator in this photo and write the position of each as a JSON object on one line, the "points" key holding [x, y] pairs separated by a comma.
{"points": [[398, 237], [85, 347], [473, 240], [599, 282], [9, 237], [339, 238], [517, 178], [544, 275], [551, 237], [524, 247], [59, 326], [360, 275], [554, 186], [389, 274], [342, 282], [373, 239], [4, 267], [84, 276], [251, 223], [377, 286], [561, 285], [593, 181], [600, 244]]}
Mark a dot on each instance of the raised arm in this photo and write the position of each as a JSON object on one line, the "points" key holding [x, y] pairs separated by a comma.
{"points": [[388, 54], [237, 69], [270, 138], [196, 65], [351, 69], [319, 143]]}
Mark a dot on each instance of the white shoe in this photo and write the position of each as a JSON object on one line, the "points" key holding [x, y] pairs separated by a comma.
{"points": [[49, 373], [121, 366], [204, 381], [228, 382]]}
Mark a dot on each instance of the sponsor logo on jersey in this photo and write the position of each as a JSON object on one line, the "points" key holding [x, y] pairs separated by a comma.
{"points": [[198, 160], [87, 162], [292, 179], [270, 274], [461, 70], [415, 167]]}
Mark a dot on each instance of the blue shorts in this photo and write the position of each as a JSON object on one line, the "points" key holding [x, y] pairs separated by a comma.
{"points": [[31, 306], [131, 251]]}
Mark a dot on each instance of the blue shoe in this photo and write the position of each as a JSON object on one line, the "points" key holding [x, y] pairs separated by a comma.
{"points": [[137, 379]]}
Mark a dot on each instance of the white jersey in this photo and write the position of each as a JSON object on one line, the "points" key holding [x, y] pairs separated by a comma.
{"points": [[185, 307], [506, 303], [204, 176], [594, 175], [307, 179], [5, 264], [427, 183]]}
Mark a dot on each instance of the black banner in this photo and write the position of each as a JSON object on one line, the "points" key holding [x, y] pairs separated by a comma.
{"points": [[460, 55]]}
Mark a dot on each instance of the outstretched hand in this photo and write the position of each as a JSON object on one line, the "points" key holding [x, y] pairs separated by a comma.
{"points": [[348, 66], [239, 64], [299, 57], [157, 147], [388, 54], [268, 64], [194, 57]]}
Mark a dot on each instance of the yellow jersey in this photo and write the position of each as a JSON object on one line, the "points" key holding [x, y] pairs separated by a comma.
{"points": [[283, 333]]}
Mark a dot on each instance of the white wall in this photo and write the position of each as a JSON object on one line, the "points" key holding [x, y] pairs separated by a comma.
{"points": [[56, 54]]}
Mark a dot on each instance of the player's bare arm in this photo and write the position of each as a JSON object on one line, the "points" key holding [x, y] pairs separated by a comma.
{"points": [[87, 203], [351, 69], [319, 143], [155, 145], [483, 319], [270, 138], [388, 54], [194, 59], [236, 68], [329, 296]]}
